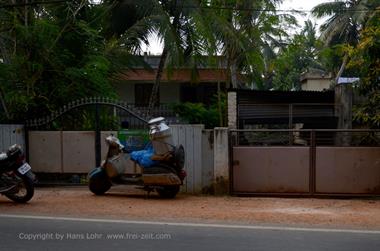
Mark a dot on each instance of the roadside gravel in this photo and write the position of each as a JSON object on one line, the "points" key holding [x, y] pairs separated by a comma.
{"points": [[132, 204]]}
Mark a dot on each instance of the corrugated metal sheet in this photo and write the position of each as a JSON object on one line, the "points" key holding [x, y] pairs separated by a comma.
{"points": [[190, 137], [11, 134], [257, 111], [284, 107], [284, 97]]}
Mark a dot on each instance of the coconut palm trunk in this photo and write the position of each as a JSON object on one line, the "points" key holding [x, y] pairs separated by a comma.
{"points": [[341, 69], [156, 86], [5, 108], [153, 100]]}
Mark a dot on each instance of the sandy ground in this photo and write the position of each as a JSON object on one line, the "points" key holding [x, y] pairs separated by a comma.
{"points": [[132, 204]]}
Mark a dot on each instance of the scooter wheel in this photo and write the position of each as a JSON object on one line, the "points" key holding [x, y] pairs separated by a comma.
{"points": [[168, 192], [98, 182]]}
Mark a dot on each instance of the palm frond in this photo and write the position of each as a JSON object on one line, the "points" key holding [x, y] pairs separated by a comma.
{"points": [[328, 9]]}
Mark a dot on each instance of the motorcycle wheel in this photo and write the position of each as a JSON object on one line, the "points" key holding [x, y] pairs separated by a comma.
{"points": [[168, 192], [24, 190]]}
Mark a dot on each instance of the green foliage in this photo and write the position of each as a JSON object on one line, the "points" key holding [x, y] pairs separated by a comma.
{"points": [[296, 58], [84, 119], [250, 39], [342, 28], [365, 56], [198, 113], [57, 56]]}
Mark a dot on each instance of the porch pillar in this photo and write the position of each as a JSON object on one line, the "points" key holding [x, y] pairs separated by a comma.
{"points": [[232, 110]]}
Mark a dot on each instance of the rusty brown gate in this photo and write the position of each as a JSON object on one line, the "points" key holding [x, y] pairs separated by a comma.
{"points": [[305, 162]]}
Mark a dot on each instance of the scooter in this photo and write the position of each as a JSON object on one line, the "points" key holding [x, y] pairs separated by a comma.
{"points": [[159, 167], [16, 176]]}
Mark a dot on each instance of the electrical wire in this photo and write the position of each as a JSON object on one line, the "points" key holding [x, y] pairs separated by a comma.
{"points": [[190, 7]]}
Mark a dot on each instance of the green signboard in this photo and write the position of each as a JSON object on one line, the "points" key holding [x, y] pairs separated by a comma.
{"points": [[133, 139]]}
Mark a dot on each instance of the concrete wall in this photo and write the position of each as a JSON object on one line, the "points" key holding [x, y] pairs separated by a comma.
{"points": [[74, 152], [316, 85], [63, 151], [45, 151]]}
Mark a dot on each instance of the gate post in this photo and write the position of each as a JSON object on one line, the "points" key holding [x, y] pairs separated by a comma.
{"points": [[221, 161], [98, 150], [312, 165]]}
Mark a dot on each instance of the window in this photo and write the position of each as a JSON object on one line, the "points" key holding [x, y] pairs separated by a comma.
{"points": [[142, 94]]}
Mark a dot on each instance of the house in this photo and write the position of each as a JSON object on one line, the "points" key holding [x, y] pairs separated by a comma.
{"points": [[318, 80], [315, 80], [181, 85]]}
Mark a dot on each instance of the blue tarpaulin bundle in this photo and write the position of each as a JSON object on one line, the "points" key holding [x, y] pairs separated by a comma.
{"points": [[143, 157]]}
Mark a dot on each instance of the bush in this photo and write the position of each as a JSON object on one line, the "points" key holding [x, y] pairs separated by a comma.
{"points": [[198, 113]]}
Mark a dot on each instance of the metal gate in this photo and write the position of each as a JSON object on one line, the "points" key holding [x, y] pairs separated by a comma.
{"points": [[305, 162], [69, 117]]}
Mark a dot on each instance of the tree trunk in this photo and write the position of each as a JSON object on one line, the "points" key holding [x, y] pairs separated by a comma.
{"points": [[233, 69], [26, 15], [220, 105], [156, 86], [342, 68], [4, 55], [2, 99]]}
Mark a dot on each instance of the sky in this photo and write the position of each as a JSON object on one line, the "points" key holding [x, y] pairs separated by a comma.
{"points": [[305, 5]]}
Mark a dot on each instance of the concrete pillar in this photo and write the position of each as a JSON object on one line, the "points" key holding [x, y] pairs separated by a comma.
{"points": [[221, 161], [343, 109], [232, 110], [343, 102]]}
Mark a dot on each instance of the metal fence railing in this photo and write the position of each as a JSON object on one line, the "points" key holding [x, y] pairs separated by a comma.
{"points": [[305, 137]]}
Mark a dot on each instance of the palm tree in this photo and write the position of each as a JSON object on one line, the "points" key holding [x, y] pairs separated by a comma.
{"points": [[252, 33], [182, 26], [346, 19]]}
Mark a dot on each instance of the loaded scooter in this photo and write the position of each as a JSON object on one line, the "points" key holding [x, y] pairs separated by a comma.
{"points": [[159, 167]]}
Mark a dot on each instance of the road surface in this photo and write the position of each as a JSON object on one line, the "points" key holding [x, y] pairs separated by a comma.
{"points": [[24, 232]]}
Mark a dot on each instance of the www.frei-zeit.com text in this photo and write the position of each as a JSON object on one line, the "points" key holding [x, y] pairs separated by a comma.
{"points": [[93, 236]]}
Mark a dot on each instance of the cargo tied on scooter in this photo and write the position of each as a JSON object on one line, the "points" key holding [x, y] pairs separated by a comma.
{"points": [[159, 166]]}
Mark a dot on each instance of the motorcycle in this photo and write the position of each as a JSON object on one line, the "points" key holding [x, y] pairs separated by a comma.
{"points": [[159, 167], [16, 176]]}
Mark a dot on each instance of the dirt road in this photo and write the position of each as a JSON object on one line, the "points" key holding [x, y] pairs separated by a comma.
{"points": [[124, 203]]}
